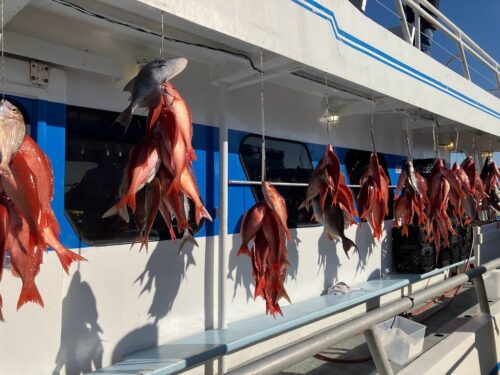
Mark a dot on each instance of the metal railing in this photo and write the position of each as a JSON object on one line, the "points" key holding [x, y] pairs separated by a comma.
{"points": [[424, 9], [365, 323]]}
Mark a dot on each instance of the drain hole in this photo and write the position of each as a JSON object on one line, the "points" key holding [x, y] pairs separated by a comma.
{"points": [[490, 301], [439, 335], [467, 316]]}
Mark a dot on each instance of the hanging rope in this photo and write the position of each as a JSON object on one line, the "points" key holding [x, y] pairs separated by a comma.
{"points": [[262, 119], [2, 50], [410, 157], [162, 33], [327, 109], [371, 126]]}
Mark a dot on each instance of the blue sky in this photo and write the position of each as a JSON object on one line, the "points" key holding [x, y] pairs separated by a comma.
{"points": [[480, 19]]}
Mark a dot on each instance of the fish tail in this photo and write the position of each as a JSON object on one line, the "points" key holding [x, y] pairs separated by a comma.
{"points": [[187, 237], [201, 212], [29, 293], [125, 117], [347, 244], [116, 209], [259, 288], [244, 250]]}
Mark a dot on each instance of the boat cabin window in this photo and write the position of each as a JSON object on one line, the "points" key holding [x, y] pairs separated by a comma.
{"points": [[357, 163], [96, 155], [286, 161]]}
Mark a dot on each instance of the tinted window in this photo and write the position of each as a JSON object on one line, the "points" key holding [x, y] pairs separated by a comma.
{"points": [[96, 155], [286, 161], [357, 163]]}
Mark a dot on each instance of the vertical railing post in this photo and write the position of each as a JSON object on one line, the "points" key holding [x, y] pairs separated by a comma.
{"points": [[461, 53], [418, 34], [404, 24], [378, 352], [497, 74], [482, 297]]}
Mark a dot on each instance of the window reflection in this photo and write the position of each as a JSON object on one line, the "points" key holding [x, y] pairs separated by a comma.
{"points": [[96, 156], [286, 161]]}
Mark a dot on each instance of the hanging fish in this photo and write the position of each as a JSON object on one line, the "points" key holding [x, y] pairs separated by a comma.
{"points": [[373, 197], [12, 130], [145, 88], [334, 221]]}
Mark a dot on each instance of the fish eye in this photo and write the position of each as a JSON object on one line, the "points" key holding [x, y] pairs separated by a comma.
{"points": [[14, 110]]}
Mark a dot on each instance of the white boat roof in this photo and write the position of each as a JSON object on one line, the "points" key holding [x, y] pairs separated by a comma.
{"points": [[302, 39]]}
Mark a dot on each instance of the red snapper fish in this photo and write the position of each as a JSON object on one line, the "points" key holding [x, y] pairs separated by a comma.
{"points": [[413, 202], [12, 130], [373, 197], [265, 225]]}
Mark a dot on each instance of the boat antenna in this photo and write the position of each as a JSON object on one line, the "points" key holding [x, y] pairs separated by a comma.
{"points": [[410, 157], [371, 125], [262, 118], [2, 36], [456, 140], [327, 109], [162, 33]]}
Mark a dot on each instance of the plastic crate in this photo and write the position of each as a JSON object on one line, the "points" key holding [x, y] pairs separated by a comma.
{"points": [[403, 339], [412, 254]]}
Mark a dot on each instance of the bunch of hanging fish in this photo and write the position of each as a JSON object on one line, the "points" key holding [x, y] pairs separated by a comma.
{"points": [[266, 225], [413, 202], [373, 197], [331, 199], [28, 225], [489, 176], [159, 174]]}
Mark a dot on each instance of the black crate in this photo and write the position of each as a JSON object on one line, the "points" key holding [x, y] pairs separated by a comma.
{"points": [[451, 254], [466, 234], [412, 254]]}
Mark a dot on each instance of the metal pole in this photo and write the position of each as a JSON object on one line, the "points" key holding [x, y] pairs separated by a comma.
{"points": [[306, 348], [378, 352], [461, 53], [418, 34], [404, 23], [222, 214], [482, 298]]}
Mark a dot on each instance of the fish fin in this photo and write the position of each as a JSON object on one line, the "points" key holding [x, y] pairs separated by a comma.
{"points": [[201, 212], [192, 155], [259, 288], [116, 209], [288, 234], [347, 244], [129, 87], [244, 250], [66, 256], [125, 117], [187, 237], [29, 293]]}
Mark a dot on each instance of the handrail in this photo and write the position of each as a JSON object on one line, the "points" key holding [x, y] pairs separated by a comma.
{"points": [[295, 353], [444, 24]]}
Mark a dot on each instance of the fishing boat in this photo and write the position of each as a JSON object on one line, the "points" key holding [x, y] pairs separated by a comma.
{"points": [[287, 77]]}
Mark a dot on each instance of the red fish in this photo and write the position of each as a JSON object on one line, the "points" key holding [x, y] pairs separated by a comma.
{"points": [[189, 187], [250, 225], [148, 205], [276, 203], [374, 196]]}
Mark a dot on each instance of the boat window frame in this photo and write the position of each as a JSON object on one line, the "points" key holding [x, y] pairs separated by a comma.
{"points": [[253, 188]]}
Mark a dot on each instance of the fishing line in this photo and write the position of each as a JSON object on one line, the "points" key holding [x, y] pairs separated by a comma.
{"points": [[410, 157], [262, 119], [162, 33], [434, 138], [2, 50], [371, 127], [327, 109]]}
